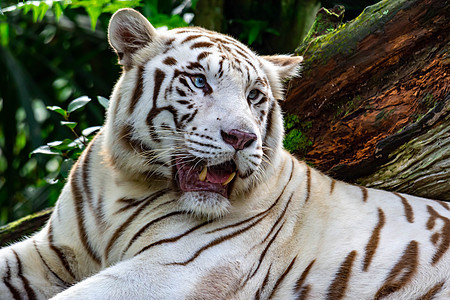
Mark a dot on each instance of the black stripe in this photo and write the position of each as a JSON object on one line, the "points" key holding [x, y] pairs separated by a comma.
{"points": [[203, 144], [190, 38], [184, 117], [202, 136], [263, 99], [264, 252], [372, 245], [201, 151], [263, 285], [138, 90], [170, 61], [85, 174], [340, 282], [57, 251], [194, 65], [277, 284], [133, 216], [182, 94], [263, 213], [364, 193], [159, 78], [79, 210], [184, 82], [203, 55], [308, 183], [26, 284], [6, 280], [146, 226], [269, 129], [63, 282], [261, 257], [202, 45], [409, 213], [303, 290], [216, 242], [173, 239], [192, 115]]}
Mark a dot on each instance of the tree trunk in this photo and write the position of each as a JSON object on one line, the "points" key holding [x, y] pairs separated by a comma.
{"points": [[209, 14], [25, 226], [372, 105]]}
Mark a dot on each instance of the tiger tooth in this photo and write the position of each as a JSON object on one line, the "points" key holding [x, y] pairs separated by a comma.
{"points": [[202, 175], [229, 178]]}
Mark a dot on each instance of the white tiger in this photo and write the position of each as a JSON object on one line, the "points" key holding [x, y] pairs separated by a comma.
{"points": [[186, 193]]}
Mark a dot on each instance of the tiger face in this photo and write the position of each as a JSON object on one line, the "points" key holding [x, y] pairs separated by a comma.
{"points": [[195, 107]]}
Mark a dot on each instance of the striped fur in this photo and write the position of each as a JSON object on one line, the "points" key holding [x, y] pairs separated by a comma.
{"points": [[123, 228]]}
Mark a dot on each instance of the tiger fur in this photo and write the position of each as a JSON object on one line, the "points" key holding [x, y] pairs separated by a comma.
{"points": [[142, 218]]}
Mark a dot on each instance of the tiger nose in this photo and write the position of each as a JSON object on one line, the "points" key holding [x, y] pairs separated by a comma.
{"points": [[238, 139]]}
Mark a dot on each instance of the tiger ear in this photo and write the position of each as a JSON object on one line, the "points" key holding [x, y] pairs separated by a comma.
{"points": [[128, 32], [286, 66], [279, 68]]}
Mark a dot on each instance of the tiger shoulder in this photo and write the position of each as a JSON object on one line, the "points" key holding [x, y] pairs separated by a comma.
{"points": [[187, 193]]}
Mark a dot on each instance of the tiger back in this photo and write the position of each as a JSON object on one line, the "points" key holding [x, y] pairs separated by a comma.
{"points": [[186, 193]]}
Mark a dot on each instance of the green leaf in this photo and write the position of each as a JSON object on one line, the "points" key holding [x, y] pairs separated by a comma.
{"points": [[253, 34], [66, 3], [57, 10], [112, 7], [90, 130], [71, 125], [54, 144], [26, 8], [103, 101], [94, 12], [58, 110], [78, 103], [43, 7], [45, 150], [36, 12], [272, 31], [66, 166], [66, 144], [194, 4], [4, 34]]}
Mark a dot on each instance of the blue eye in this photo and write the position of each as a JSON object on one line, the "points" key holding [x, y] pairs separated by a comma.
{"points": [[253, 94], [199, 81]]}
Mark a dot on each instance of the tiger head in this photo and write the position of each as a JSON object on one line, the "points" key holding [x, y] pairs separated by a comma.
{"points": [[195, 107]]}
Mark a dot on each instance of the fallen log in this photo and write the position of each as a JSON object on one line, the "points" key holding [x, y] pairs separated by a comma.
{"points": [[372, 104]]}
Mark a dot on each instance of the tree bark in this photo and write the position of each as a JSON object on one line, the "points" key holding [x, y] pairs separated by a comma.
{"points": [[209, 14], [16, 230], [373, 100]]}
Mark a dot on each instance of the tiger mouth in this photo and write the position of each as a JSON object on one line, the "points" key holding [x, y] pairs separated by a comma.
{"points": [[216, 179]]}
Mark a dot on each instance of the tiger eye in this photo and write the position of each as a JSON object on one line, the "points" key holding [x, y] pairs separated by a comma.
{"points": [[199, 81], [253, 94]]}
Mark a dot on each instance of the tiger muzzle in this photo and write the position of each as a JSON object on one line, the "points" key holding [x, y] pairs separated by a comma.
{"points": [[216, 179]]}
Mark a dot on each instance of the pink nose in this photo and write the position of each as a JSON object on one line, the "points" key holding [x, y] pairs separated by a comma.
{"points": [[238, 139]]}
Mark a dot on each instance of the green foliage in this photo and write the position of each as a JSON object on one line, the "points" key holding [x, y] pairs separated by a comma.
{"points": [[253, 30], [51, 54], [95, 8], [295, 139], [68, 150]]}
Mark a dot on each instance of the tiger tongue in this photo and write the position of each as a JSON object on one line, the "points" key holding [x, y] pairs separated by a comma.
{"points": [[217, 176]]}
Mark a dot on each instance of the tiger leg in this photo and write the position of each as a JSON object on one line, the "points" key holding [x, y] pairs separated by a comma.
{"points": [[26, 273], [144, 276], [131, 279]]}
